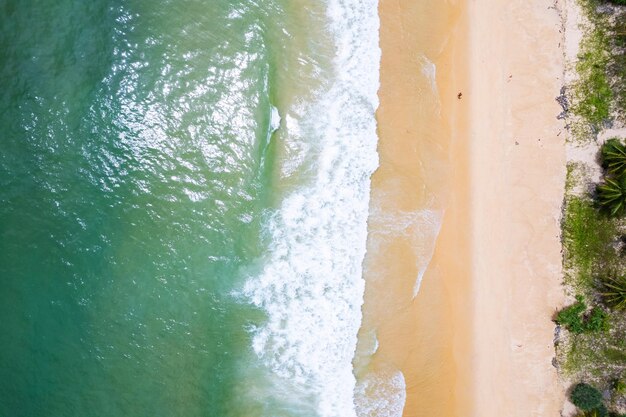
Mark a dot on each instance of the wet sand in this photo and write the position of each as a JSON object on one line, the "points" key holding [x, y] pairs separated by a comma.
{"points": [[422, 182], [477, 338]]}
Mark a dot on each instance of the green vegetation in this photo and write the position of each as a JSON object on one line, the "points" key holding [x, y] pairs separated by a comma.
{"points": [[601, 411], [587, 239], [590, 413], [594, 224], [616, 69], [592, 94], [600, 92], [586, 397], [612, 196], [613, 154], [614, 291], [619, 385], [589, 400], [593, 250], [576, 319], [597, 320], [612, 193], [571, 317]]}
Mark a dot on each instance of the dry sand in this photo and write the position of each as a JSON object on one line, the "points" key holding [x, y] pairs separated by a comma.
{"points": [[518, 176], [477, 339]]}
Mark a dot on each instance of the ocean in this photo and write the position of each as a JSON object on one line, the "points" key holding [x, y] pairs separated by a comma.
{"points": [[184, 191]]}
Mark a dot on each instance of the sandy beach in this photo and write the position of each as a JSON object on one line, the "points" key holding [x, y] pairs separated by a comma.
{"points": [[419, 208], [518, 171], [477, 338]]}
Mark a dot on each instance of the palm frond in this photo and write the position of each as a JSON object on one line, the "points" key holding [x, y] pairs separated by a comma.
{"points": [[614, 157], [614, 291], [612, 195]]}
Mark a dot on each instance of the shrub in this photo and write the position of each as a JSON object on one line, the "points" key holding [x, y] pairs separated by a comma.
{"points": [[571, 317], [574, 319], [586, 397], [614, 291], [614, 157]]}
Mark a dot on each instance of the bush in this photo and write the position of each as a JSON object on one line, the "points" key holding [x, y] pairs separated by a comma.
{"points": [[586, 397], [574, 319], [571, 317]]}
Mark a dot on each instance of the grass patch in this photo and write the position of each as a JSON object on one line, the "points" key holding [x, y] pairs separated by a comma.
{"points": [[617, 64], [588, 241], [597, 357], [592, 93], [614, 355], [599, 95]]}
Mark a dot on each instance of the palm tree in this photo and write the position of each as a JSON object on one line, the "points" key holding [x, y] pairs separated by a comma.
{"points": [[614, 157], [612, 195], [614, 291]]}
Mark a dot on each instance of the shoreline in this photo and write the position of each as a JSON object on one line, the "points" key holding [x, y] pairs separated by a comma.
{"points": [[478, 339]]}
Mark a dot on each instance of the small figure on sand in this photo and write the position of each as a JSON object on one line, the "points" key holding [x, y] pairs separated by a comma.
{"points": [[459, 96]]}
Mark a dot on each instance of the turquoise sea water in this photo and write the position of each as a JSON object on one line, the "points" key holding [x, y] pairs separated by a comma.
{"points": [[163, 251]]}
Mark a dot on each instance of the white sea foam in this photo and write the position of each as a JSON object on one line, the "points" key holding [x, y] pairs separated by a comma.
{"points": [[425, 226], [311, 284], [429, 70], [274, 120], [381, 394], [366, 347], [420, 227]]}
